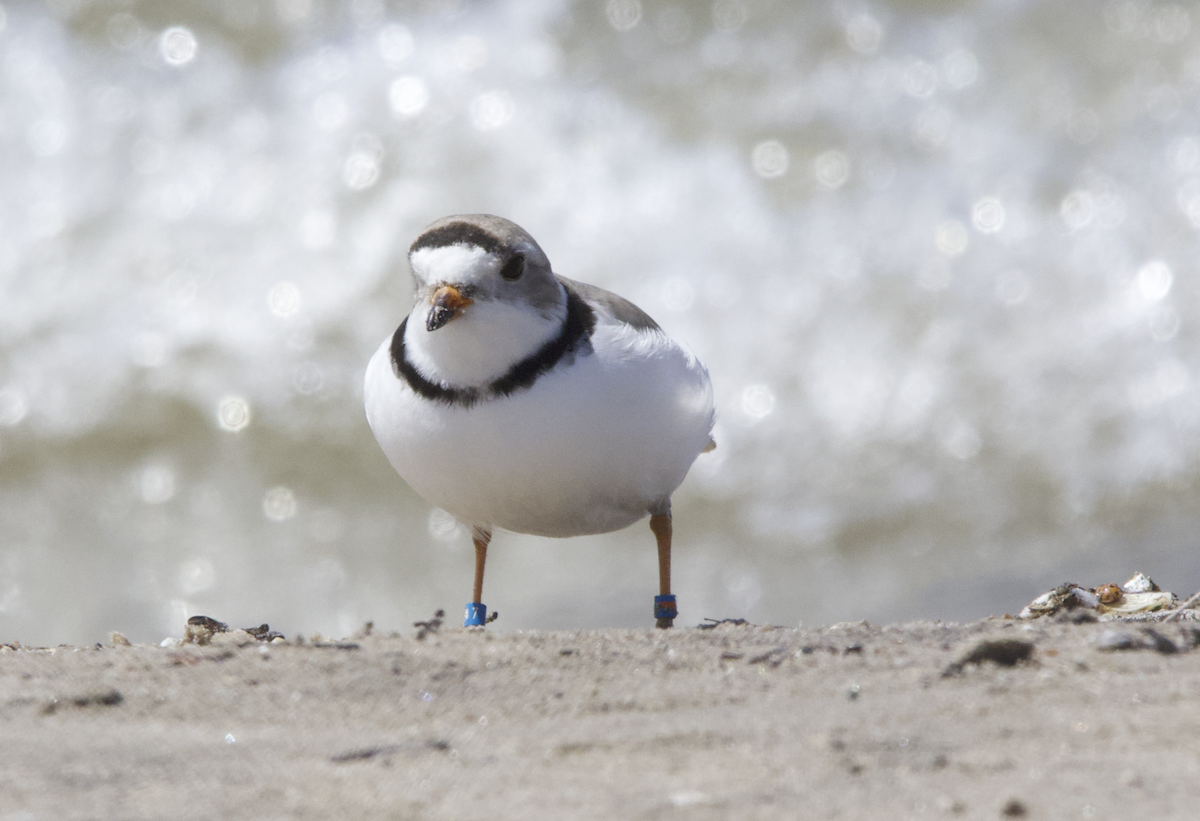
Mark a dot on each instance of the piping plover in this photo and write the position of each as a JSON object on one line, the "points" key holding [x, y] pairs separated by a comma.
{"points": [[515, 398]]}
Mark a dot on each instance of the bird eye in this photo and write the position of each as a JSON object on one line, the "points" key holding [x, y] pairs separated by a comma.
{"points": [[513, 269]]}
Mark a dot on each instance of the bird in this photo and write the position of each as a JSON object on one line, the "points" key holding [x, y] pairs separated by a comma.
{"points": [[517, 399]]}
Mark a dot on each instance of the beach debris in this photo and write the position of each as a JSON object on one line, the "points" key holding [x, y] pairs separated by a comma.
{"points": [[1187, 605], [263, 632], [714, 623], [1150, 639], [118, 639], [201, 629], [204, 630], [424, 628], [1140, 583], [105, 698], [1005, 652], [410, 747], [1138, 595]]}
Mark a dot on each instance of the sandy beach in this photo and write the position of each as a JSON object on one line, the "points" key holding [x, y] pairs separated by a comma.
{"points": [[737, 721]]}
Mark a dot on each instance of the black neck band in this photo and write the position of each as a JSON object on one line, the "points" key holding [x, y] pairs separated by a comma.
{"points": [[576, 330]]}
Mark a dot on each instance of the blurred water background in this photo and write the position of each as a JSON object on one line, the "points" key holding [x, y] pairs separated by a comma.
{"points": [[940, 257]]}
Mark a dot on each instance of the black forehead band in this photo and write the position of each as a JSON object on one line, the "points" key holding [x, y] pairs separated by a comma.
{"points": [[458, 233]]}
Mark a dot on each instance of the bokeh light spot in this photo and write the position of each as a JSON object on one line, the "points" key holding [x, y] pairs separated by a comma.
{"points": [[757, 402], [959, 69], [470, 53], [125, 31], [1172, 23], [177, 46], [408, 96], [934, 125], [960, 439], [864, 33], [951, 237], [279, 504], [395, 44], [362, 167], [284, 299], [935, 275], [308, 379], [13, 406], [1188, 199], [988, 215], [149, 350], [318, 229], [1184, 154], [47, 137], [233, 414], [294, 12], [156, 484], [492, 110], [916, 391], [330, 111], [678, 294], [1167, 381], [1078, 209], [832, 169], [196, 576], [1154, 280], [624, 15], [919, 79], [769, 159], [1012, 287], [728, 15]]}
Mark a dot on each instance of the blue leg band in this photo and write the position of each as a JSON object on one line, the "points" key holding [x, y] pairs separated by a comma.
{"points": [[664, 607], [476, 615]]}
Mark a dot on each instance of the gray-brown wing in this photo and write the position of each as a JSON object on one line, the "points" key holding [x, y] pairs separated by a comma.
{"points": [[622, 309]]}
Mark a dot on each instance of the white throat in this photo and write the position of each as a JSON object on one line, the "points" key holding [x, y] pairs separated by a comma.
{"points": [[482, 344]]}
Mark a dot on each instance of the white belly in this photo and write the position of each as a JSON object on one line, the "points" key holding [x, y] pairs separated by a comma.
{"points": [[589, 448]]}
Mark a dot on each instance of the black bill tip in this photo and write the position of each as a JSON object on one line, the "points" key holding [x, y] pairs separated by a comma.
{"points": [[439, 315]]}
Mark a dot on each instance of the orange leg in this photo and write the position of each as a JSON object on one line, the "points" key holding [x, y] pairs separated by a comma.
{"points": [[481, 546], [660, 526], [476, 613]]}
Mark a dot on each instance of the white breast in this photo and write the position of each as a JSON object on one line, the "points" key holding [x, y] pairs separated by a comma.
{"points": [[589, 448], [470, 353]]}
